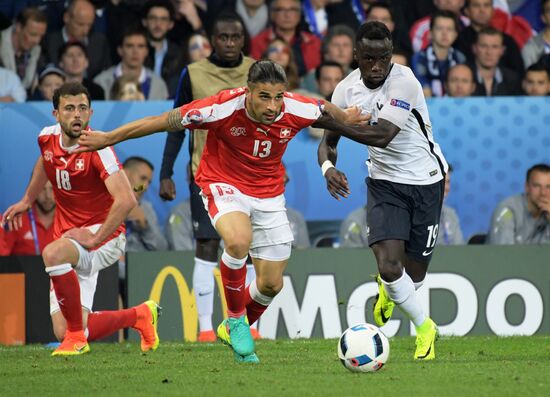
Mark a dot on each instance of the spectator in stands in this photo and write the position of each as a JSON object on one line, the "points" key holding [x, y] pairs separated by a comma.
{"points": [[198, 48], [143, 232], [538, 45], [328, 74], [449, 232], [133, 51], [279, 51], [536, 81], [525, 218], [49, 80], [37, 228], [320, 15], [353, 231], [127, 88], [298, 224], [381, 11], [78, 20], [20, 45], [492, 79], [255, 15], [73, 60], [337, 47], [432, 64], [11, 89], [480, 13], [460, 81], [189, 19], [165, 56], [420, 31], [179, 227], [285, 18], [400, 57]]}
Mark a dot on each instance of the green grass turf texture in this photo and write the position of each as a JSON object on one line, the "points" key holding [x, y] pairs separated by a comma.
{"points": [[465, 366]]}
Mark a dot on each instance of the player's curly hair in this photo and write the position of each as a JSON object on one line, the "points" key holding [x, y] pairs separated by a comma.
{"points": [[72, 88], [266, 71], [373, 30]]}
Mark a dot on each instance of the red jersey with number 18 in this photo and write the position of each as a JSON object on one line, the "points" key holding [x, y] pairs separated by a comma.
{"points": [[241, 151], [78, 182]]}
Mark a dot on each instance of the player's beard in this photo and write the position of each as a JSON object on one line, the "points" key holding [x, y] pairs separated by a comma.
{"points": [[46, 209], [68, 129]]}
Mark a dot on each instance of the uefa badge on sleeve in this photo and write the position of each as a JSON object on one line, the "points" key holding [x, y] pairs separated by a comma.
{"points": [[194, 116]]}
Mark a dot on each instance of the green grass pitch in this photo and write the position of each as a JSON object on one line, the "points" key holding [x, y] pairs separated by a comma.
{"points": [[465, 366]]}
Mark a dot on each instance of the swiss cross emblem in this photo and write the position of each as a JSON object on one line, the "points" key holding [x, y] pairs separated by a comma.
{"points": [[79, 165], [285, 132], [48, 156]]}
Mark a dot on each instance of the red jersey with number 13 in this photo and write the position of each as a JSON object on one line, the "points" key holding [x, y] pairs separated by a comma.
{"points": [[241, 151], [78, 182]]}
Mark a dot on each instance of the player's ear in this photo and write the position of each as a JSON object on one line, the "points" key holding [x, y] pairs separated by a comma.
{"points": [[55, 113]]}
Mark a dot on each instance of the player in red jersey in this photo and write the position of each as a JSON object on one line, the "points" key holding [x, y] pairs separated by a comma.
{"points": [[241, 177], [93, 198]]}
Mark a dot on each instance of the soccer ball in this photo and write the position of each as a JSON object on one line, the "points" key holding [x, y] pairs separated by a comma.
{"points": [[363, 348]]}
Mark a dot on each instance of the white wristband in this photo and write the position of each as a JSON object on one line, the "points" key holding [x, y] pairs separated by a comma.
{"points": [[326, 165]]}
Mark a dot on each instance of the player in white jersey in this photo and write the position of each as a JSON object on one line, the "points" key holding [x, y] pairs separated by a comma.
{"points": [[406, 176], [241, 177]]}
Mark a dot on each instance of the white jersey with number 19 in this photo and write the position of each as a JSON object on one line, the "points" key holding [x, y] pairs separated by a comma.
{"points": [[241, 151], [412, 157]]}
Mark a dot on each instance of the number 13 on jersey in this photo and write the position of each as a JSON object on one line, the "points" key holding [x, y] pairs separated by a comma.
{"points": [[261, 148]]}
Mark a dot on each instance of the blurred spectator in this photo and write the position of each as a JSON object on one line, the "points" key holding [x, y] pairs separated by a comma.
{"points": [[328, 74], [198, 48], [320, 15], [400, 57], [255, 15], [165, 56], [11, 89], [143, 232], [480, 13], [179, 227], [280, 52], [49, 80], [420, 31], [78, 20], [539, 45], [431, 65], [525, 218], [297, 223], [37, 228], [53, 9], [337, 47], [381, 11], [73, 60], [460, 81], [133, 51], [449, 232], [127, 88], [285, 18], [189, 19], [353, 231], [492, 79], [20, 45], [536, 81]]}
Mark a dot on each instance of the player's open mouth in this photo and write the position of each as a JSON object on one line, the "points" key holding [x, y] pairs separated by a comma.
{"points": [[77, 125]]}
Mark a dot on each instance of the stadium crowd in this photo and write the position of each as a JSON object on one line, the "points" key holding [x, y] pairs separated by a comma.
{"points": [[141, 49]]}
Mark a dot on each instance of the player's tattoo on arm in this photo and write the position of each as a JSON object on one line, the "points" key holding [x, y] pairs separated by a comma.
{"points": [[174, 120]]}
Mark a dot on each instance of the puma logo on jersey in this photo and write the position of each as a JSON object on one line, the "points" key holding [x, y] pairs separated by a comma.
{"points": [[64, 161], [262, 130]]}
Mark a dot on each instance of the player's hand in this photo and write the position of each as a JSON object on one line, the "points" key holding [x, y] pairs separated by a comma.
{"points": [[13, 216], [83, 236], [92, 140], [337, 183], [167, 189], [354, 116], [137, 217]]}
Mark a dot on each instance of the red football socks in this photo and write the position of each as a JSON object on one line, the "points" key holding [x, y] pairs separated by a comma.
{"points": [[105, 323], [67, 291], [253, 309], [234, 288]]}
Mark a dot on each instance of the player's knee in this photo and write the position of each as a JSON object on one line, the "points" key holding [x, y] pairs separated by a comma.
{"points": [[51, 255], [390, 269], [238, 245], [270, 287]]}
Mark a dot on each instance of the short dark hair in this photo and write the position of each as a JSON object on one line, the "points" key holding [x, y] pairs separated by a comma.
{"points": [[444, 14], [373, 30], [134, 30], [31, 13], [541, 167], [225, 16], [538, 67], [266, 71], [166, 4], [335, 31], [380, 4], [490, 31], [327, 64], [134, 160], [65, 47], [72, 88], [463, 65]]}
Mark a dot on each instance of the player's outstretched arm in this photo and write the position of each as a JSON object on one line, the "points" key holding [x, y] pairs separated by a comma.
{"points": [[337, 183], [123, 201], [167, 121], [12, 216]]}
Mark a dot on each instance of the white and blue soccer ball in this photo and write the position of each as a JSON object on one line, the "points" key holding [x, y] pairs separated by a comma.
{"points": [[363, 348]]}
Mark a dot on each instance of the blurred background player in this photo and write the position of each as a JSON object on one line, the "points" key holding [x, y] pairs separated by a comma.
{"points": [[225, 68], [524, 218], [93, 197], [36, 230]]}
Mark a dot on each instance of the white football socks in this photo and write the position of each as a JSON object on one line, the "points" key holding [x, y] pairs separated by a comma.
{"points": [[203, 286], [402, 292]]}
